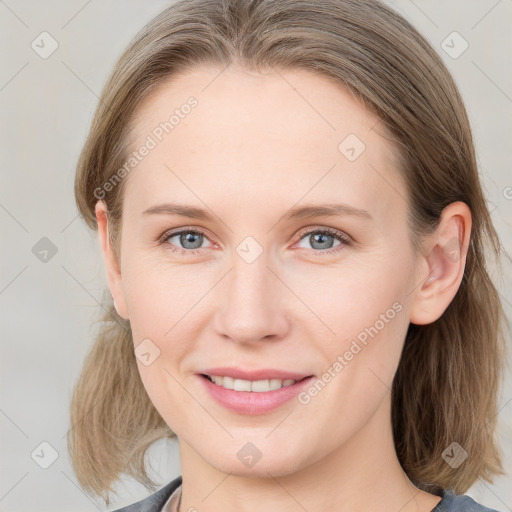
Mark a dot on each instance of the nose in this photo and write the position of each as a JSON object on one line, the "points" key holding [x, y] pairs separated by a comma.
{"points": [[251, 303]]}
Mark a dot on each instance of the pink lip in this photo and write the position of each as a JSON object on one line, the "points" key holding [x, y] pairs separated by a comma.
{"points": [[265, 373], [251, 402]]}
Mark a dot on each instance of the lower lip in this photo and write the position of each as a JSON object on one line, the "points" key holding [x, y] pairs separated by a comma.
{"points": [[252, 402]]}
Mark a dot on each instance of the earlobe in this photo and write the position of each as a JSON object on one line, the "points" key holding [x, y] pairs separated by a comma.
{"points": [[111, 264], [445, 260]]}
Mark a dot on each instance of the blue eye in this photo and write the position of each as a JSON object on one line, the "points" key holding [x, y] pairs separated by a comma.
{"points": [[190, 241], [323, 239]]}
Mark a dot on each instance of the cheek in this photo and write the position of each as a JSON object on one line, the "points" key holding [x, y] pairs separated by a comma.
{"points": [[164, 304], [344, 299], [175, 406], [360, 363], [362, 305], [161, 297]]}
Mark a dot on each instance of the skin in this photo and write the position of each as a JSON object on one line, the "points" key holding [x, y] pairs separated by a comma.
{"points": [[254, 147]]}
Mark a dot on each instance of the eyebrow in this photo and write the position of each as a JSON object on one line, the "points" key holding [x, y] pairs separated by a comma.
{"points": [[299, 212]]}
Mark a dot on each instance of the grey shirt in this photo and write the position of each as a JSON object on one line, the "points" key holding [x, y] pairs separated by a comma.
{"points": [[167, 498]]}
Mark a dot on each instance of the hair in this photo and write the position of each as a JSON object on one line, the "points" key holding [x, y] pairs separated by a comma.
{"points": [[447, 383]]}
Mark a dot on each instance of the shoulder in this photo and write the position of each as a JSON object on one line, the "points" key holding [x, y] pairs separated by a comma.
{"points": [[156, 501], [452, 502]]}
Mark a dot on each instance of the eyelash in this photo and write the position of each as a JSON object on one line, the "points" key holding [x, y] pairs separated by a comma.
{"points": [[345, 240]]}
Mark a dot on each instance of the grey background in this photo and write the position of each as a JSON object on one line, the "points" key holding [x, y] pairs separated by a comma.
{"points": [[48, 308]]}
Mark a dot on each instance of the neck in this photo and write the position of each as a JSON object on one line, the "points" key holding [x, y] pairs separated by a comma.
{"points": [[361, 474]]}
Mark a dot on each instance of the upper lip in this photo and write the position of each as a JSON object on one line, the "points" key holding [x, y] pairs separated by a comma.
{"points": [[262, 374]]}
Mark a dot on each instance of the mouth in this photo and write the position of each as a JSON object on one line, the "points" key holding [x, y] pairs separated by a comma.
{"points": [[253, 386], [252, 397]]}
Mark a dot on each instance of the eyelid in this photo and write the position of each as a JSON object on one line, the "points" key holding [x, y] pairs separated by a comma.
{"points": [[344, 239], [325, 229], [188, 229]]}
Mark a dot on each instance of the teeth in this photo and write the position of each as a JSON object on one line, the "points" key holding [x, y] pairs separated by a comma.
{"points": [[257, 386]]}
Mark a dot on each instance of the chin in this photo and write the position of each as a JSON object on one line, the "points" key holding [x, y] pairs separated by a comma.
{"points": [[240, 463]]}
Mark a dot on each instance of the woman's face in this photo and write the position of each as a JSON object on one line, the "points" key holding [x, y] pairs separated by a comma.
{"points": [[271, 161]]}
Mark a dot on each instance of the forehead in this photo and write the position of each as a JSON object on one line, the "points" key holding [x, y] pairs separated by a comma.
{"points": [[278, 134], [284, 105]]}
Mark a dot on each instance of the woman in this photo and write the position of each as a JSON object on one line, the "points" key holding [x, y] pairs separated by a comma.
{"points": [[290, 214]]}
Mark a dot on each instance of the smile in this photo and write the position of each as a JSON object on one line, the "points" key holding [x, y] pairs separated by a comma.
{"points": [[257, 386], [252, 397]]}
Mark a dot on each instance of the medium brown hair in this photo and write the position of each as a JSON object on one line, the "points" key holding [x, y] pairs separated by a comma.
{"points": [[447, 383]]}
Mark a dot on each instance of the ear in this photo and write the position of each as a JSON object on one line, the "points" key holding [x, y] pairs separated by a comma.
{"points": [[111, 265], [442, 264]]}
